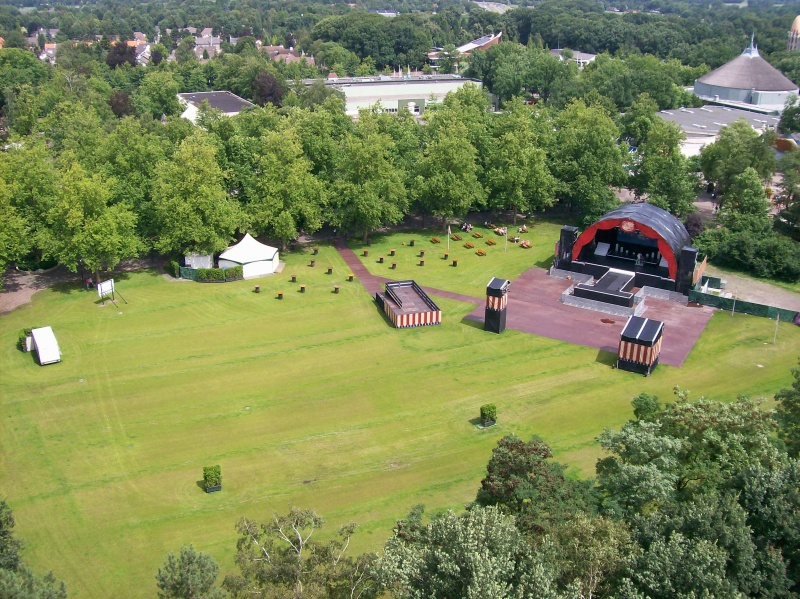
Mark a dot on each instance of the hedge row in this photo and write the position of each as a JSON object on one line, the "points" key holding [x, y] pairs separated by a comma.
{"points": [[219, 275]]}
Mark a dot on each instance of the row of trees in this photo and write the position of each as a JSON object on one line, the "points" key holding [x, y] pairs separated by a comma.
{"points": [[85, 188], [747, 236], [694, 499], [510, 69], [695, 34]]}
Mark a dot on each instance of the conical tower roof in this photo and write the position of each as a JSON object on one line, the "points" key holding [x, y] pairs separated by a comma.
{"points": [[749, 71], [795, 25]]}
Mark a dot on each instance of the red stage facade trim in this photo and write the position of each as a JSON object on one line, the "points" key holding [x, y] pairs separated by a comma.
{"points": [[604, 225]]}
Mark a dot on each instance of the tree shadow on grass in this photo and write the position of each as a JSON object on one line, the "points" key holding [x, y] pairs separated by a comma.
{"points": [[69, 287]]}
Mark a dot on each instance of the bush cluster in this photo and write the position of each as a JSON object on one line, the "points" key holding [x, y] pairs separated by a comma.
{"points": [[767, 255], [219, 275]]}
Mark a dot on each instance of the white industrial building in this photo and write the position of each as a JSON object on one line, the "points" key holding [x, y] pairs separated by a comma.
{"points": [[414, 92]]}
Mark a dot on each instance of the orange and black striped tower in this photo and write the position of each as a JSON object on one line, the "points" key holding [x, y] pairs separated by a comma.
{"points": [[640, 345], [496, 305]]}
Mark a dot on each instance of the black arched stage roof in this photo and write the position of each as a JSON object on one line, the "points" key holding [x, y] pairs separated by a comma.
{"points": [[650, 221]]}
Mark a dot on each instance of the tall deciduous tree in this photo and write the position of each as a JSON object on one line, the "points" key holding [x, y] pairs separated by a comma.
{"points": [[280, 558], [19, 67], [15, 240], [746, 196], [157, 95], [447, 183], [788, 415], [188, 575], [370, 190], [587, 159], [191, 209], [517, 173], [478, 554], [84, 229], [635, 123], [284, 195], [17, 581], [522, 480], [737, 148], [663, 174]]}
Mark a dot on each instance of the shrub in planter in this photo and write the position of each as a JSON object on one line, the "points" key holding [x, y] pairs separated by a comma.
{"points": [[488, 413], [175, 269], [210, 274], [23, 335], [212, 478], [233, 273]]}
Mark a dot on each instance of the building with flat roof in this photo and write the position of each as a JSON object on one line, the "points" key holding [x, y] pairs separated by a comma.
{"points": [[226, 102], [702, 125], [414, 92]]}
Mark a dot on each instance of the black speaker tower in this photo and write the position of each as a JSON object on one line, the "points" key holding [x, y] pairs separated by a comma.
{"points": [[564, 257], [496, 305]]}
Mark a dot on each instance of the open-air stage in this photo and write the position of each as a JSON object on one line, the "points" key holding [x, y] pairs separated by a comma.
{"points": [[534, 307]]}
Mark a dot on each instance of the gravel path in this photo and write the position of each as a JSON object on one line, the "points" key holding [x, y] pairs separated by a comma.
{"points": [[757, 291]]}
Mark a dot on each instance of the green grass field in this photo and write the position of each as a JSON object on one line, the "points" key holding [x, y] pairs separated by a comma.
{"points": [[473, 272], [312, 401]]}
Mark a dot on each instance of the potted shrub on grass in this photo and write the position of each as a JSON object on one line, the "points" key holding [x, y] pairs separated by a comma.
{"points": [[488, 414], [212, 478]]}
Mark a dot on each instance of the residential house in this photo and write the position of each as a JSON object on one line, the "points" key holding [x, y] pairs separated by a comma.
{"points": [[287, 55], [226, 102]]}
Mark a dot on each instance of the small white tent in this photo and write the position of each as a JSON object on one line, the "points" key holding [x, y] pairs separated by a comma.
{"points": [[46, 346], [199, 260], [255, 258]]}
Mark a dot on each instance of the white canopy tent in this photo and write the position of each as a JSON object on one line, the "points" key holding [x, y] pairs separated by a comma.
{"points": [[46, 346], [255, 258]]}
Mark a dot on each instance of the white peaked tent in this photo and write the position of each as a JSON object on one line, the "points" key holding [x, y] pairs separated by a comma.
{"points": [[46, 346], [255, 258]]}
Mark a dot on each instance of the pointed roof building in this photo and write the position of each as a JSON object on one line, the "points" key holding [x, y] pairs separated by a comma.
{"points": [[748, 79]]}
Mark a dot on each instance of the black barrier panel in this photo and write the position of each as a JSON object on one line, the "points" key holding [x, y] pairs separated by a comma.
{"points": [[494, 321], [617, 298], [645, 280]]}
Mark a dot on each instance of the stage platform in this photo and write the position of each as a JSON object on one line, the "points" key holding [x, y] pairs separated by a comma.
{"points": [[534, 307], [407, 305]]}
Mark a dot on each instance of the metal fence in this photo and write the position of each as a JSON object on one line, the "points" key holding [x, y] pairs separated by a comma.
{"points": [[743, 306]]}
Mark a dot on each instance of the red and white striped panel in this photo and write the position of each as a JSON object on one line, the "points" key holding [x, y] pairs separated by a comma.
{"points": [[496, 303], [420, 319], [641, 354]]}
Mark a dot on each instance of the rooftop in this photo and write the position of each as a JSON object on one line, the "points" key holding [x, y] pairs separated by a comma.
{"points": [[708, 120], [386, 79], [221, 100], [749, 71]]}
